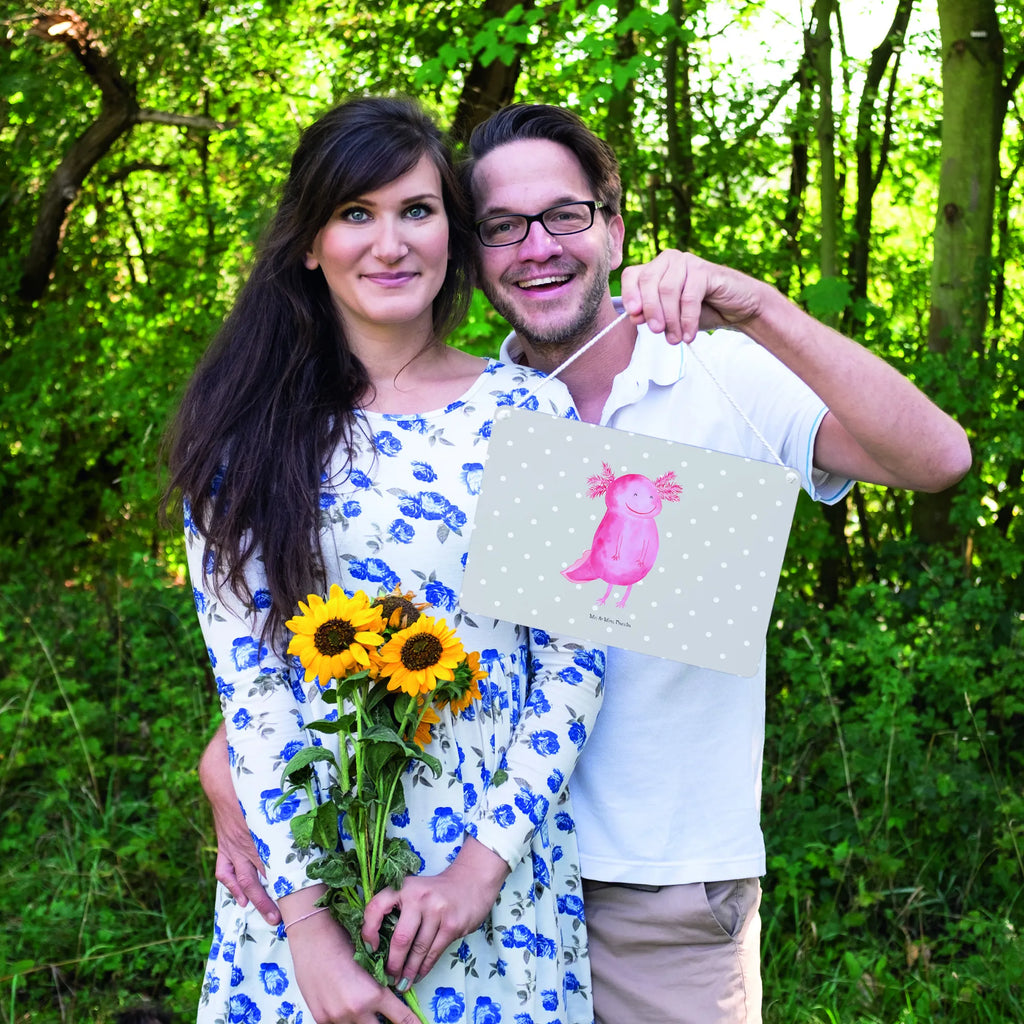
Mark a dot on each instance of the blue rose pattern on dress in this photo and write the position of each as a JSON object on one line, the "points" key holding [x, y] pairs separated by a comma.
{"points": [[398, 518]]}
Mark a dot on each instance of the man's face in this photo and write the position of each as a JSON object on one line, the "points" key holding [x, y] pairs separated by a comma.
{"points": [[552, 289]]}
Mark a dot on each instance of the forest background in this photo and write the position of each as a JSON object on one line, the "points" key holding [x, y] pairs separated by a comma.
{"points": [[866, 157]]}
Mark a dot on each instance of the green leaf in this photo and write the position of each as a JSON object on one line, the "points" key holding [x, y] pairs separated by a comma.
{"points": [[386, 760], [398, 861], [338, 869], [483, 39], [828, 297], [383, 704], [302, 826], [372, 963], [429, 760], [329, 726], [397, 801], [351, 918], [298, 769], [325, 829], [381, 733], [452, 56]]}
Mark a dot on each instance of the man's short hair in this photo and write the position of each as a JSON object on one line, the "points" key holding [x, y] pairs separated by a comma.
{"points": [[520, 121]]}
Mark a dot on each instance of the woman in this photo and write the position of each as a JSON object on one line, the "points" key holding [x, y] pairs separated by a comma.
{"points": [[330, 436]]}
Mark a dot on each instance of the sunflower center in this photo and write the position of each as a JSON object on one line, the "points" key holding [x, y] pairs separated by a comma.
{"points": [[391, 603], [334, 636], [421, 651]]}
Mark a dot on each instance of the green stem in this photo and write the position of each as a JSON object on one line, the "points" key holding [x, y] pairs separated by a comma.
{"points": [[343, 761], [414, 1004], [403, 730], [380, 831], [360, 832]]}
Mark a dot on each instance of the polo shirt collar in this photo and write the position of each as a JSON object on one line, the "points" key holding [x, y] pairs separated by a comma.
{"points": [[653, 360]]}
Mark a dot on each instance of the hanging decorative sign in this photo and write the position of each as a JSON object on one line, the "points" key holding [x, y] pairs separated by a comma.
{"points": [[630, 541]]}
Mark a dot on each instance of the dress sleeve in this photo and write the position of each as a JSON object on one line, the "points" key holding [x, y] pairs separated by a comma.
{"points": [[564, 694], [264, 707]]}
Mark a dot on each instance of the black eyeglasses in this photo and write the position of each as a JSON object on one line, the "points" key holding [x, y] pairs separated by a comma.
{"points": [[563, 219]]}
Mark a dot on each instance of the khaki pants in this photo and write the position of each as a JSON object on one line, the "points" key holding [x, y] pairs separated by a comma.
{"points": [[675, 954]]}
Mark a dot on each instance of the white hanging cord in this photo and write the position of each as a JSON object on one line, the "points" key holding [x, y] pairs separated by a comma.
{"points": [[732, 401], [572, 359], [691, 351]]}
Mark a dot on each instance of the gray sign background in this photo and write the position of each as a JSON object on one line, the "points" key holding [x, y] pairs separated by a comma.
{"points": [[707, 598]]}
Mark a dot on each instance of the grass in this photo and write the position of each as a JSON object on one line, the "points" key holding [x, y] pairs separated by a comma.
{"points": [[104, 836], [892, 814]]}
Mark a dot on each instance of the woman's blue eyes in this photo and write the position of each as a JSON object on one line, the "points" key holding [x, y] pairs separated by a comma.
{"points": [[358, 215]]}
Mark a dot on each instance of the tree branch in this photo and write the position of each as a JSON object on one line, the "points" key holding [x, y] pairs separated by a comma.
{"points": [[1013, 80], [67, 27], [206, 124], [119, 112], [127, 170]]}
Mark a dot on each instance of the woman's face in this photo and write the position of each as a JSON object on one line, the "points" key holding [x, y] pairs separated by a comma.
{"points": [[384, 254]]}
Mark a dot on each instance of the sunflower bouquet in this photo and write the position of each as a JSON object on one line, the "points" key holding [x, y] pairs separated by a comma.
{"points": [[390, 669]]}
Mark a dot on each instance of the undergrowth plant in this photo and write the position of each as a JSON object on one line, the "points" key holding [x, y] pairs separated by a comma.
{"points": [[893, 806], [104, 839]]}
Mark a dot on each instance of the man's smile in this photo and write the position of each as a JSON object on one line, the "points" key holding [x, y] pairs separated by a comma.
{"points": [[541, 282]]}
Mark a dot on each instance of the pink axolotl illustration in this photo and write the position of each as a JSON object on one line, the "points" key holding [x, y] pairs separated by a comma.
{"points": [[626, 541]]}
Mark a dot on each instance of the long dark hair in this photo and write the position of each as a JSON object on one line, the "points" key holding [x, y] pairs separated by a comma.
{"points": [[275, 394]]}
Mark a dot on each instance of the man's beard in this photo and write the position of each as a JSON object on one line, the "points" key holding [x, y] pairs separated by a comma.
{"points": [[566, 337]]}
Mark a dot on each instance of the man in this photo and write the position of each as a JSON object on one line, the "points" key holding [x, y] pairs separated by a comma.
{"points": [[667, 790]]}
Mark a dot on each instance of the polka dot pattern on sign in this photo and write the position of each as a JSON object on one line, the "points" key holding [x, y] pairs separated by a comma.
{"points": [[714, 552]]}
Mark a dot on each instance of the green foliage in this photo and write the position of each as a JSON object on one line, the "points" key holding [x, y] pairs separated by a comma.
{"points": [[104, 836], [826, 298], [893, 812]]}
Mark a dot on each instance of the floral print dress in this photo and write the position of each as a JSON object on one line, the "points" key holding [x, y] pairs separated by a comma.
{"points": [[401, 516]]}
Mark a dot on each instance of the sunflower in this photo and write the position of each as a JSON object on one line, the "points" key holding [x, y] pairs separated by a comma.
{"points": [[399, 609], [331, 636], [418, 656], [472, 691], [424, 734]]}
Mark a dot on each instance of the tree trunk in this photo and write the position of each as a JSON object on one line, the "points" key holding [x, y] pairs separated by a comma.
{"points": [[973, 107], [1004, 205], [799, 170], [620, 106], [118, 108], [835, 563], [869, 173], [486, 89], [679, 132], [119, 113], [819, 51]]}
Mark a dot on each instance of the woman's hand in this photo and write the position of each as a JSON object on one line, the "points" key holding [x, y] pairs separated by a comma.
{"points": [[336, 989], [435, 910], [238, 865]]}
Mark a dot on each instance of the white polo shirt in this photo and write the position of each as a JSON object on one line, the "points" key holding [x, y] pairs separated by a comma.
{"points": [[668, 788]]}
